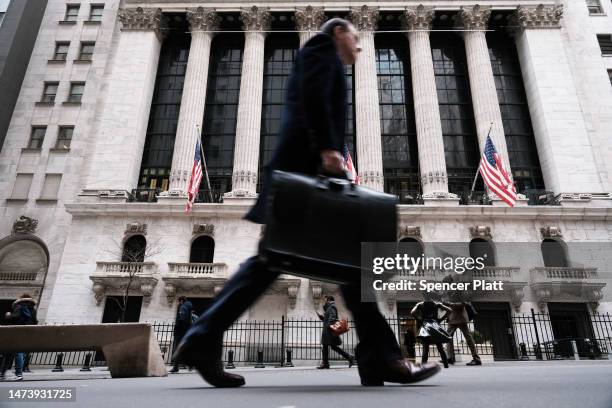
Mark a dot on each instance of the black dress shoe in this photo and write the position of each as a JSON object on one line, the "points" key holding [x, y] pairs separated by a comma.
{"points": [[474, 363], [174, 370], [323, 366], [398, 371], [208, 364], [351, 361]]}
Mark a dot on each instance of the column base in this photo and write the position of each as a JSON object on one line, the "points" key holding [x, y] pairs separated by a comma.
{"points": [[441, 199]]}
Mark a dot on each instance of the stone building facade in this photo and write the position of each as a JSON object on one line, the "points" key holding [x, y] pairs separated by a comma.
{"points": [[101, 161]]}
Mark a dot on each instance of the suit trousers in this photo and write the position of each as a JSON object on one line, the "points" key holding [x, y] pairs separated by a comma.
{"points": [[337, 349], [452, 328], [377, 340]]}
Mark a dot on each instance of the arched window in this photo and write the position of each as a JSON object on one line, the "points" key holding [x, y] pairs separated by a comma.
{"points": [[554, 253], [134, 249], [412, 247], [202, 250], [483, 248]]}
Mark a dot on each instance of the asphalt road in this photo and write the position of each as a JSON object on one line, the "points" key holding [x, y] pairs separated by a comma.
{"points": [[501, 385]]}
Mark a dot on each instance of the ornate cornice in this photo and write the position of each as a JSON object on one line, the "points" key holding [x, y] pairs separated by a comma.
{"points": [[309, 18], [364, 18], [256, 18], [203, 19], [417, 18], [474, 18], [540, 16], [141, 19]]}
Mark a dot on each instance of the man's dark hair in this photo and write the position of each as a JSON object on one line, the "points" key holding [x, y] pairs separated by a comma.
{"points": [[329, 25], [182, 298], [330, 298]]}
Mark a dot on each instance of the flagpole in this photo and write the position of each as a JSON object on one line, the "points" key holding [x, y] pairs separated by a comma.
{"points": [[204, 168], [478, 169]]}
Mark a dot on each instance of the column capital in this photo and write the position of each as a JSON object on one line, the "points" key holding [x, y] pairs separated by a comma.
{"points": [[203, 19], [474, 18], [417, 18], [309, 18], [256, 18], [142, 19], [364, 18], [540, 16]]}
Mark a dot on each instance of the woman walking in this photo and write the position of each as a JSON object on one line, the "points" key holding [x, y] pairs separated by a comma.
{"points": [[328, 339], [431, 332]]}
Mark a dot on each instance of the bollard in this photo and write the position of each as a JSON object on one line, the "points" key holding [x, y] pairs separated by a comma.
{"points": [[260, 363], [86, 363], [58, 363], [289, 363], [523, 348], [230, 360], [575, 350]]}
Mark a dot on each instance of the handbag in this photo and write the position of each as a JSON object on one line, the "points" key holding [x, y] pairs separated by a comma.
{"points": [[339, 327]]}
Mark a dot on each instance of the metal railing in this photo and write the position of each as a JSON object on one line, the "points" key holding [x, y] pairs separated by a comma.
{"points": [[18, 276], [532, 334]]}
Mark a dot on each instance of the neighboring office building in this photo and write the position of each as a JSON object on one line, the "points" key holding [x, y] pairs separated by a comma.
{"points": [[101, 144], [19, 24]]}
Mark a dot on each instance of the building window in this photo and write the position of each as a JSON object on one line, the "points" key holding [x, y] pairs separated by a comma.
{"points": [[278, 62], [605, 43], [64, 137], [594, 7], [87, 50], [520, 140], [554, 253], [202, 250], [61, 51], [165, 107], [95, 12], [36, 137], [72, 12], [461, 150], [49, 92], [397, 124], [610, 75], [51, 187], [134, 249], [21, 188], [221, 111], [76, 92]]}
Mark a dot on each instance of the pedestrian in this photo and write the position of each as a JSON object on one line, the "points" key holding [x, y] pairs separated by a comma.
{"points": [[458, 319], [184, 318], [430, 331], [311, 140], [23, 313], [329, 339]]}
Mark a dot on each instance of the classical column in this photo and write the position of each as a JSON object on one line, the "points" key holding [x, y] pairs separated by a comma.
{"points": [[564, 148], [202, 22], [307, 21], [432, 163], [119, 140], [369, 146], [256, 21], [482, 84]]}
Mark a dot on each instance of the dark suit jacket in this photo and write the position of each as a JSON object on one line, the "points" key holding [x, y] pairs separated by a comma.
{"points": [[313, 117]]}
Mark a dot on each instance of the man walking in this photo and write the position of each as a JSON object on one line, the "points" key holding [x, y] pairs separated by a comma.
{"points": [[181, 325], [328, 339], [23, 313], [311, 138], [458, 319]]}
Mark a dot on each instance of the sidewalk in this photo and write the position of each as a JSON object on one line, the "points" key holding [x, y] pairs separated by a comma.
{"points": [[45, 374]]}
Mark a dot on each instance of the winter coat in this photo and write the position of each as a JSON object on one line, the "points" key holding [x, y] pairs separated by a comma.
{"points": [[330, 317], [183, 317], [459, 315], [24, 312]]}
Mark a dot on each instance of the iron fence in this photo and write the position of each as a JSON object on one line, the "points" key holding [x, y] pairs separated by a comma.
{"points": [[271, 341]]}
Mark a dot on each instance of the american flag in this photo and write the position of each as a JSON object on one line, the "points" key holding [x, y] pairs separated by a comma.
{"points": [[196, 177], [495, 176], [348, 161]]}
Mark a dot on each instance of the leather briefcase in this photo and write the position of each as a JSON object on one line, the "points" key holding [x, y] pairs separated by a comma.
{"points": [[315, 226]]}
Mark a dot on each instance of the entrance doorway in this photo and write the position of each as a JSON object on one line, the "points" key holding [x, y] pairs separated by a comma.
{"points": [[494, 324], [570, 321]]}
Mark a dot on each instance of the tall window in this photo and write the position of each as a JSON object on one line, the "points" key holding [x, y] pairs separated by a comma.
{"points": [[594, 7], [165, 106], [522, 151], [95, 12], [76, 92], [458, 128], [605, 43], [72, 12], [221, 111], [202, 250], [87, 50], [49, 92], [64, 137], [61, 51], [279, 56], [134, 249], [36, 137], [398, 130]]}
